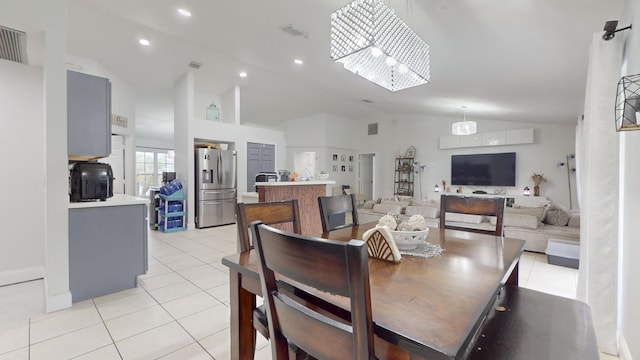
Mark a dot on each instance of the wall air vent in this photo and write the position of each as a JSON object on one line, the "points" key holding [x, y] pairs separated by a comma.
{"points": [[294, 31], [373, 129], [13, 45]]}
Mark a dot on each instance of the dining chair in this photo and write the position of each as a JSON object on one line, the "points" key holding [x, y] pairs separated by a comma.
{"points": [[472, 205], [334, 211], [277, 212], [329, 266]]}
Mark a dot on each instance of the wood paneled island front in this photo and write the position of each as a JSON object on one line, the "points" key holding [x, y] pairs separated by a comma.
{"points": [[306, 192]]}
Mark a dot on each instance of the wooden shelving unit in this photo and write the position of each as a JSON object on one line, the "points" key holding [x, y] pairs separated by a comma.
{"points": [[403, 178]]}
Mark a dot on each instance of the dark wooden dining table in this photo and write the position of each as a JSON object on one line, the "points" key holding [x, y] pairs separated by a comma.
{"points": [[430, 307]]}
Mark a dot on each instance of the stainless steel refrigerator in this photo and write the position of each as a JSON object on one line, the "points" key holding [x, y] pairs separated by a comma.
{"points": [[216, 184]]}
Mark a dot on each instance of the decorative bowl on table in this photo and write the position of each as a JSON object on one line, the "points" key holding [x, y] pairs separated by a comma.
{"points": [[409, 240], [322, 176]]}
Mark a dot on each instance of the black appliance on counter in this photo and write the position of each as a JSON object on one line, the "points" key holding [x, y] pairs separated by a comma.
{"points": [[266, 177], [89, 181]]}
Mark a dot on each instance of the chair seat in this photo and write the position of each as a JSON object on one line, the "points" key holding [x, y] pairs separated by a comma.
{"points": [[260, 322], [527, 324]]}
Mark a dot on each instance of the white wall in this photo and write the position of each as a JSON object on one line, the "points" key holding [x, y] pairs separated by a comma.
{"points": [[630, 206], [396, 133], [154, 143], [21, 108], [50, 212], [326, 134], [188, 126]]}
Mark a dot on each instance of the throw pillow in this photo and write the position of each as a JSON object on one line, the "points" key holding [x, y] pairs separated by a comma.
{"points": [[574, 221], [556, 217], [369, 204]]}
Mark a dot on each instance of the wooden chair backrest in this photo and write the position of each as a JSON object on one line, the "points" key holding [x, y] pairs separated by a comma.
{"points": [[270, 213], [335, 267], [472, 205], [333, 208]]}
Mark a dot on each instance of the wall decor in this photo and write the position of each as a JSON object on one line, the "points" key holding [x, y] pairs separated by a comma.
{"points": [[343, 168], [343, 158], [335, 157], [335, 168], [411, 152], [350, 168], [350, 158]]}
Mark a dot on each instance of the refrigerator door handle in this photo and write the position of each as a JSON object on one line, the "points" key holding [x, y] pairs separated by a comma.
{"points": [[219, 168]]}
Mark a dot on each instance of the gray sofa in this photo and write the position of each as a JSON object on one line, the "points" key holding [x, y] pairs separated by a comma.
{"points": [[536, 224]]}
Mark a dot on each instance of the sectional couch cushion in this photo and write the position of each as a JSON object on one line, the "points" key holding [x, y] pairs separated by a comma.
{"points": [[431, 203], [387, 208], [539, 211], [427, 212], [402, 204], [521, 220], [464, 218]]}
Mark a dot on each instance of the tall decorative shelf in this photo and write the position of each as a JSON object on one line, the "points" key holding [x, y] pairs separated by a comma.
{"points": [[172, 212], [403, 178]]}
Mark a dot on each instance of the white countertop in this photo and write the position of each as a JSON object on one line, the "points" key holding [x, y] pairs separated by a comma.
{"points": [[116, 200], [290, 183]]}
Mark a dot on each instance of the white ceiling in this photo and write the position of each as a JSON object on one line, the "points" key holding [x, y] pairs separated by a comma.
{"points": [[515, 60]]}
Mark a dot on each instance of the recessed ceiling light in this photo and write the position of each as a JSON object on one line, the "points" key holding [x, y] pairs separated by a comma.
{"points": [[144, 42], [298, 61], [184, 12], [243, 74]]}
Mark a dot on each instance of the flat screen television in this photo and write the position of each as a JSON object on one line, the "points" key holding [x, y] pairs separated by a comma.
{"points": [[484, 169]]}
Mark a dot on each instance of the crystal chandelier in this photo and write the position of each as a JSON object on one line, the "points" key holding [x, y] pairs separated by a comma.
{"points": [[464, 127], [372, 42]]}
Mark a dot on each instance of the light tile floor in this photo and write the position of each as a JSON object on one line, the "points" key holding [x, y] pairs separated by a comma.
{"points": [[180, 310]]}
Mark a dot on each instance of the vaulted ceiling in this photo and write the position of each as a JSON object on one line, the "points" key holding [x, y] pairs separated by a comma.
{"points": [[517, 60]]}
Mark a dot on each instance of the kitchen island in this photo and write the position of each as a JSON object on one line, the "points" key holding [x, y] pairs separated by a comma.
{"points": [[306, 192], [107, 245]]}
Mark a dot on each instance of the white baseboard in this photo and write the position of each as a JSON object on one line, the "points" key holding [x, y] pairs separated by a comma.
{"points": [[623, 349], [57, 302], [21, 275]]}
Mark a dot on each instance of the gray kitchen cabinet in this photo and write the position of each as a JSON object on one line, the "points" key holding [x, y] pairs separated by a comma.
{"points": [[107, 249], [88, 116]]}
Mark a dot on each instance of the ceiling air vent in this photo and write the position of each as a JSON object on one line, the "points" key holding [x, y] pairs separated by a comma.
{"points": [[294, 31], [373, 129], [13, 45], [195, 65]]}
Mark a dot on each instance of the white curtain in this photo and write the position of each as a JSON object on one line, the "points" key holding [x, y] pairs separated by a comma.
{"points": [[597, 156]]}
